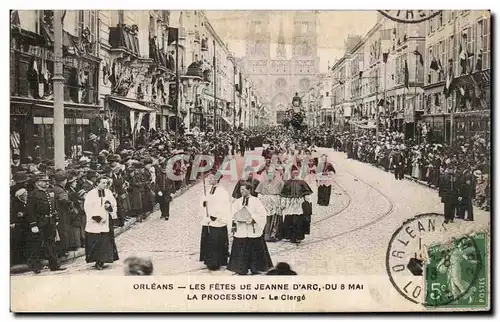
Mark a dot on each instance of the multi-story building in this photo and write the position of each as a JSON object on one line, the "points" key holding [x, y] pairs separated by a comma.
{"points": [[368, 87], [31, 71], [119, 69], [458, 46], [401, 71], [326, 107], [341, 95], [278, 76]]}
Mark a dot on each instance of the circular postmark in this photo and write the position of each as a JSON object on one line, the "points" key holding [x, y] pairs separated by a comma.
{"points": [[410, 16], [432, 263]]}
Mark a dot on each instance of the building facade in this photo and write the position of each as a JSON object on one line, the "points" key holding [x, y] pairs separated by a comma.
{"points": [[458, 49], [397, 73], [120, 69], [279, 74]]}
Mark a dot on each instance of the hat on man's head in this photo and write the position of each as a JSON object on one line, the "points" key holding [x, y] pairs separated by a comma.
{"points": [[42, 177], [88, 153], [101, 159], [60, 176], [91, 173], [94, 166]]}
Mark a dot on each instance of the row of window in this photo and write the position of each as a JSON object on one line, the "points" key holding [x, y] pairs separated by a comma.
{"points": [[443, 18], [475, 43]]}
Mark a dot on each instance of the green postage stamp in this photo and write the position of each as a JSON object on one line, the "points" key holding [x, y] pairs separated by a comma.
{"points": [[456, 273]]}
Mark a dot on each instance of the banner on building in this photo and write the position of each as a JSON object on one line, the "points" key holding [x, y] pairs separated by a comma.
{"points": [[409, 108]]}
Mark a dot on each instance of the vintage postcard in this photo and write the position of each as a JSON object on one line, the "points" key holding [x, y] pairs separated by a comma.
{"points": [[250, 161]]}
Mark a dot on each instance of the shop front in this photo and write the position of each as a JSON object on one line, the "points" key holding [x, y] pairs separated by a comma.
{"points": [[131, 119]]}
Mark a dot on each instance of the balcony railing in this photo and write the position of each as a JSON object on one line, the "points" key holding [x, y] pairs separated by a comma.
{"points": [[124, 37], [80, 76]]}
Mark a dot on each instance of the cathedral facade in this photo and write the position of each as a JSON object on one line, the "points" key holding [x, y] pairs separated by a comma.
{"points": [[284, 66]]}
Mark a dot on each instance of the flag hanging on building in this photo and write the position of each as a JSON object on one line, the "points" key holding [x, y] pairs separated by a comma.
{"points": [[407, 75], [449, 80], [479, 62], [173, 35], [419, 56], [464, 53], [434, 64]]}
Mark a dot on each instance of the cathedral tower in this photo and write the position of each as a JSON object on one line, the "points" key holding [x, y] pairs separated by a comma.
{"points": [[281, 49], [258, 38]]}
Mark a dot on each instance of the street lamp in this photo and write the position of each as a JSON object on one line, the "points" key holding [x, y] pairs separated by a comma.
{"points": [[190, 82]]}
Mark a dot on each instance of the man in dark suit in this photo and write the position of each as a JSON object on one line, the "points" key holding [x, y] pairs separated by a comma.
{"points": [[448, 191], [467, 193], [164, 191], [43, 220], [242, 145], [88, 182], [398, 164]]}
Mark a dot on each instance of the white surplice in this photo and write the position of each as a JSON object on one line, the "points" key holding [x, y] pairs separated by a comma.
{"points": [[218, 205], [258, 213]]}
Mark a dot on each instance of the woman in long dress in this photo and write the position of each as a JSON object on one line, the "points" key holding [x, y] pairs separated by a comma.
{"points": [[416, 165], [76, 215], [100, 210], [269, 189]]}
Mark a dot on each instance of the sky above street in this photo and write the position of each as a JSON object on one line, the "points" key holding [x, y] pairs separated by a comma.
{"points": [[333, 28]]}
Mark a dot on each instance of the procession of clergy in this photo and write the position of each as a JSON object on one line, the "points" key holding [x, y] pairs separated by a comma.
{"points": [[270, 205]]}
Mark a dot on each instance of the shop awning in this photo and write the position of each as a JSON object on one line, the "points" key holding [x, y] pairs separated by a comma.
{"points": [[133, 105]]}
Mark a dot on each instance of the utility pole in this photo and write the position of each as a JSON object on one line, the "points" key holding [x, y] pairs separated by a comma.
{"points": [[177, 87], [58, 79], [215, 89], [455, 36], [386, 58], [415, 138], [234, 94], [376, 106]]}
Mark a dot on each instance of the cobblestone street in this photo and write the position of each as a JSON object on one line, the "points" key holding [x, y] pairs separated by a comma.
{"points": [[349, 237]]}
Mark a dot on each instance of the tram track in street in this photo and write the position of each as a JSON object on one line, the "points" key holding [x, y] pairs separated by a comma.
{"points": [[340, 211], [344, 208]]}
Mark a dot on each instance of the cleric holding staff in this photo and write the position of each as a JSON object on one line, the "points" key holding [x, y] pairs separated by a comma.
{"points": [[215, 214], [249, 250], [100, 210]]}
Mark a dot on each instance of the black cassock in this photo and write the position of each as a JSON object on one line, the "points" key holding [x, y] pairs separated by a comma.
{"points": [[297, 210]]}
